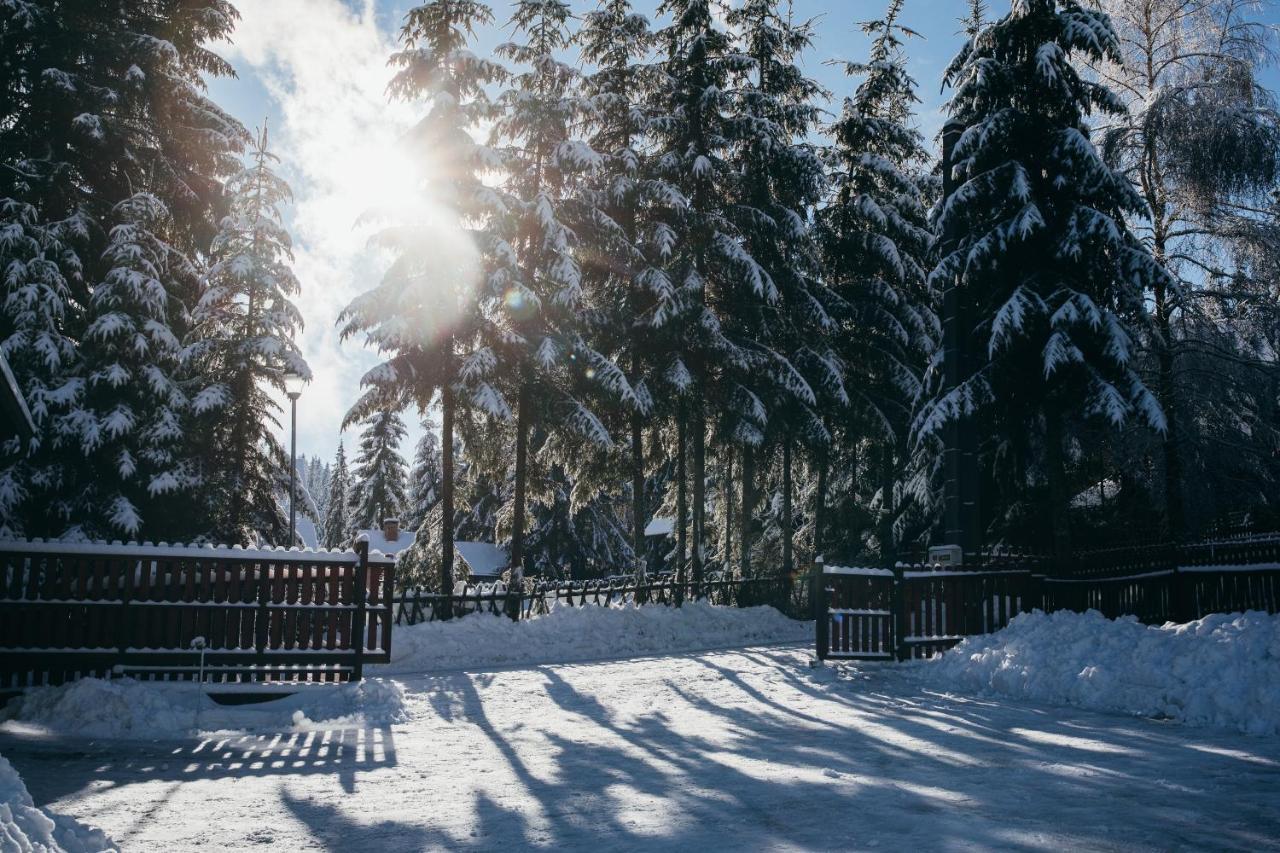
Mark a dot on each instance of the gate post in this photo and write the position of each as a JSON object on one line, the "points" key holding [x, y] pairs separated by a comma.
{"points": [[898, 603], [361, 602], [821, 619]]}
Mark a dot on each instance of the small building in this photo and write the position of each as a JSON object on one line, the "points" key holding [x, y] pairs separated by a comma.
{"points": [[484, 560], [389, 538], [659, 527]]}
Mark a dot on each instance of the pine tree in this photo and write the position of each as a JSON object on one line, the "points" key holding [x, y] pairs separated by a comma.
{"points": [[550, 365], [378, 477], [425, 478], [782, 335], [426, 314], [875, 239], [628, 243], [1035, 237], [337, 522], [129, 420], [245, 328]]}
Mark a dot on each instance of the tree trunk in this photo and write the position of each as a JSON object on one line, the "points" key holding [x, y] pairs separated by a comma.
{"points": [[1173, 503], [522, 473], [820, 504], [728, 510], [446, 500], [699, 495], [888, 508], [637, 498], [1059, 496], [682, 507], [788, 564], [748, 496]]}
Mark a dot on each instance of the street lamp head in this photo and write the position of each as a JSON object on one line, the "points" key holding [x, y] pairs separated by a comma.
{"points": [[293, 383]]}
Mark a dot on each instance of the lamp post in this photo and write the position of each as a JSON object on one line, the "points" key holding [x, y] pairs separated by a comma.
{"points": [[293, 387]]}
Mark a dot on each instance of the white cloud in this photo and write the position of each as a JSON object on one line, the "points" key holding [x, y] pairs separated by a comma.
{"points": [[325, 65]]}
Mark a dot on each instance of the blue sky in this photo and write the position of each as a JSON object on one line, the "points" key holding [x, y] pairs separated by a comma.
{"points": [[315, 71]]}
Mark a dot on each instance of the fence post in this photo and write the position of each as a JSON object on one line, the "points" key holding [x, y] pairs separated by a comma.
{"points": [[512, 603], [362, 601], [821, 619], [261, 625], [124, 629]]}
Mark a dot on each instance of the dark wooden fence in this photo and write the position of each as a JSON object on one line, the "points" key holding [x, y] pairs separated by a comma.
{"points": [[540, 598], [71, 610], [914, 611]]}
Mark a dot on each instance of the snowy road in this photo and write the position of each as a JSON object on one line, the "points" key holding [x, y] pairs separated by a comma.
{"points": [[743, 750]]}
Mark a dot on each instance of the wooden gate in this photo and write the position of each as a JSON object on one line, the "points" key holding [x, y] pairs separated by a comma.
{"points": [[73, 610]]}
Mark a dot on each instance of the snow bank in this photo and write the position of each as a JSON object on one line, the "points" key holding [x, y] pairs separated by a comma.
{"points": [[125, 708], [585, 633], [1223, 670], [23, 827]]}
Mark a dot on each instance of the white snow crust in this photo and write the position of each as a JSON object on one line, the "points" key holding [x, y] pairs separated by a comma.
{"points": [[24, 828]]}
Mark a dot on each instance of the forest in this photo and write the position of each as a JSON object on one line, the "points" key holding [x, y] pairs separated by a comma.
{"points": [[658, 279]]}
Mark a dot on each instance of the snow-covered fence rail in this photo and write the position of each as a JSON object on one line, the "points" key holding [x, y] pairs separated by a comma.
{"points": [[915, 611], [540, 598], [69, 610]]}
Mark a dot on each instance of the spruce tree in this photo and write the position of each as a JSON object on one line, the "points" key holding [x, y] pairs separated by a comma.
{"points": [[377, 487], [550, 365], [129, 420], [1035, 238], [424, 478], [875, 238], [426, 315], [244, 341], [781, 335], [337, 523]]}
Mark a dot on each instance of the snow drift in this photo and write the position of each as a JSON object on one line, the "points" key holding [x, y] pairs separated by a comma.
{"points": [[126, 708], [570, 634], [24, 827], [1222, 671]]}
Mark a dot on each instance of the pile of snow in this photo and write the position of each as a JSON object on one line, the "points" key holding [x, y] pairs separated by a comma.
{"points": [[23, 827], [593, 632], [1223, 670], [126, 708]]}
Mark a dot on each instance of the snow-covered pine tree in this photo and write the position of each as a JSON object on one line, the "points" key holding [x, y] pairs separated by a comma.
{"points": [[1201, 139], [424, 478], [129, 420], [244, 341], [377, 488], [1035, 237], [337, 521], [89, 101], [782, 334], [550, 365], [426, 315], [875, 238], [697, 122], [628, 246]]}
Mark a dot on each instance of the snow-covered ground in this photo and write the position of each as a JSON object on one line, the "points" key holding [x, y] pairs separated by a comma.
{"points": [[1223, 670], [24, 828], [745, 750]]}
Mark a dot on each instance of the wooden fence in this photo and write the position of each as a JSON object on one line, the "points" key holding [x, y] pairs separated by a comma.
{"points": [[71, 610], [540, 598], [913, 611]]}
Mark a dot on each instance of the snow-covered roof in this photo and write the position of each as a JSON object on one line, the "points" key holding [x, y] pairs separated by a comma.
{"points": [[378, 542], [482, 558], [307, 532], [660, 527], [155, 550]]}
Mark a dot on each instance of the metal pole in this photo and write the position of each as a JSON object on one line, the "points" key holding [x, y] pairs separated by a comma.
{"points": [[293, 471]]}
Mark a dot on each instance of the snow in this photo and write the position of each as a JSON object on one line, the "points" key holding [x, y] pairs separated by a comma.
{"points": [[1221, 671], [484, 559], [24, 828], [660, 527], [732, 750], [128, 709], [379, 542], [585, 633]]}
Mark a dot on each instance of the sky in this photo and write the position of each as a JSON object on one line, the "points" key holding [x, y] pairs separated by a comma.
{"points": [[315, 72]]}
